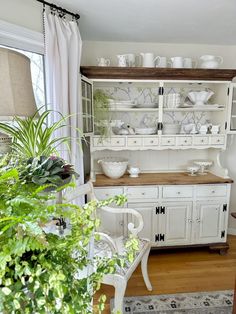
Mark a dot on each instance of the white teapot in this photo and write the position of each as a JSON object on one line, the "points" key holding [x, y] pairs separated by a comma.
{"points": [[210, 62]]}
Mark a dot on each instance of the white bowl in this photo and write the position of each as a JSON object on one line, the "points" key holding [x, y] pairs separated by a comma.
{"points": [[113, 167]]}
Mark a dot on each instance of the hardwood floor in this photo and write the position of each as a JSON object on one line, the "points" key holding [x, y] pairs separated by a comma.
{"points": [[186, 270]]}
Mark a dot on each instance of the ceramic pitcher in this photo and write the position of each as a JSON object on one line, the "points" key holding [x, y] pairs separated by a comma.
{"points": [[122, 61], [148, 59]]}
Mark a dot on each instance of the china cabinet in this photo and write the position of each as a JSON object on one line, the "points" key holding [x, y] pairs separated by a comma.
{"points": [[177, 209]]}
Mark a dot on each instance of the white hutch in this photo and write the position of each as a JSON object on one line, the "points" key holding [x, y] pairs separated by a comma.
{"points": [[178, 210]]}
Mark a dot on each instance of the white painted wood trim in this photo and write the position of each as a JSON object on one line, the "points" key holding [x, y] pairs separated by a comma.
{"points": [[231, 231], [20, 37]]}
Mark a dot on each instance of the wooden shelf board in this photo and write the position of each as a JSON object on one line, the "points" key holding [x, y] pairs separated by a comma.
{"points": [[166, 178], [142, 73], [192, 109], [135, 110]]}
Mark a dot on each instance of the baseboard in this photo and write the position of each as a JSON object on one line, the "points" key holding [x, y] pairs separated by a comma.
{"points": [[231, 231]]}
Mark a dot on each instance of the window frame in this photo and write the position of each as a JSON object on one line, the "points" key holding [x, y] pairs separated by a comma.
{"points": [[19, 37]]}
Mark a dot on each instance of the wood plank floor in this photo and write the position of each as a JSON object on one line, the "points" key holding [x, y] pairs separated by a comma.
{"points": [[186, 270]]}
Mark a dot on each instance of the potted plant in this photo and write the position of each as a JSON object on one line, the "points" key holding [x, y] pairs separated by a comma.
{"points": [[42, 272], [47, 170], [101, 113], [33, 137]]}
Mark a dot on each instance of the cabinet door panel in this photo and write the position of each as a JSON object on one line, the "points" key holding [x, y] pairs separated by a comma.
{"points": [[110, 223], [147, 212], [209, 222], [178, 223]]}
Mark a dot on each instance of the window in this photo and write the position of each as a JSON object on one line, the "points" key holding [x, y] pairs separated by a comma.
{"points": [[29, 43], [37, 74]]}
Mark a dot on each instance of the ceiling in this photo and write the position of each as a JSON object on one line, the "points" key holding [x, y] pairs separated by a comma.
{"points": [[167, 21]]}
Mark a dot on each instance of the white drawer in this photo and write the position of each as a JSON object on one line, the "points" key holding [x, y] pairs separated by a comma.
{"points": [[104, 193], [218, 140], [149, 141], [184, 141], [168, 141], [142, 193], [201, 140], [211, 190], [118, 141], [101, 142], [177, 191], [134, 141]]}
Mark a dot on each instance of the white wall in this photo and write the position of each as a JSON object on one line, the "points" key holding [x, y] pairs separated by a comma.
{"points": [[26, 13], [93, 49]]}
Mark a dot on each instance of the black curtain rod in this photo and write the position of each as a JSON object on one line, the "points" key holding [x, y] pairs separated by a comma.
{"points": [[60, 9]]}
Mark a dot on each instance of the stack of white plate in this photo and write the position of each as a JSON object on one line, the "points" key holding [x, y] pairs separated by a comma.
{"points": [[121, 104]]}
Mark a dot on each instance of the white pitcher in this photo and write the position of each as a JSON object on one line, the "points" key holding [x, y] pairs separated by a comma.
{"points": [[177, 62], [122, 61], [103, 62], [210, 62], [148, 59]]}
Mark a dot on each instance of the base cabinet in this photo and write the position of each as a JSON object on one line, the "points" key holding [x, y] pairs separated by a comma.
{"points": [[174, 215], [210, 222], [146, 210], [176, 222]]}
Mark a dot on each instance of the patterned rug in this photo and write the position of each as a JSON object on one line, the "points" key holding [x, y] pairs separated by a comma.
{"points": [[215, 302]]}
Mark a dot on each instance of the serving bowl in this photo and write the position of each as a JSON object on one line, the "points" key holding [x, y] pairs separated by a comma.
{"points": [[200, 98], [113, 167]]}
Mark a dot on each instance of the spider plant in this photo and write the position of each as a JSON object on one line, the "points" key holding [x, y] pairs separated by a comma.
{"points": [[33, 137]]}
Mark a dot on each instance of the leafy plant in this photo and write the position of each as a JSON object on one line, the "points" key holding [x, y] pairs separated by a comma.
{"points": [[43, 272], [101, 112], [45, 170], [32, 137]]}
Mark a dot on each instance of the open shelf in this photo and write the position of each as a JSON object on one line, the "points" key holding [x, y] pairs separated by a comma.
{"points": [[135, 110], [142, 73], [192, 109]]}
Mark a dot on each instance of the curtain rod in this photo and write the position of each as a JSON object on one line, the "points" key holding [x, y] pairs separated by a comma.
{"points": [[52, 5]]}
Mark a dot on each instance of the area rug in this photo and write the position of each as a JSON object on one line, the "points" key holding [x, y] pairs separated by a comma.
{"points": [[215, 302]]}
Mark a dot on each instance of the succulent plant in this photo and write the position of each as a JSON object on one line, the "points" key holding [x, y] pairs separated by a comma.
{"points": [[46, 170]]}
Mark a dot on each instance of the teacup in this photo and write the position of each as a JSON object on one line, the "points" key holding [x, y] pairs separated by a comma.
{"points": [[133, 171]]}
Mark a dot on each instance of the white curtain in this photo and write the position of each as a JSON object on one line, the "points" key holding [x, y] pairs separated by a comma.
{"points": [[63, 47]]}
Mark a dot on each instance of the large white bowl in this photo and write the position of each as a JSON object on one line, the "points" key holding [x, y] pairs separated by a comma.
{"points": [[113, 167]]}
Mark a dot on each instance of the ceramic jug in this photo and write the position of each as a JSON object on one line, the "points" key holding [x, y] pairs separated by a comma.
{"points": [[210, 62], [161, 62], [102, 62], [148, 59], [177, 62], [122, 61]]}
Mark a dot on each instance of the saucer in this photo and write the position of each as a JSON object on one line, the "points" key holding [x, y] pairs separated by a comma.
{"points": [[133, 175]]}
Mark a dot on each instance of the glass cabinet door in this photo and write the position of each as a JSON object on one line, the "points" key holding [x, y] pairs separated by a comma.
{"points": [[87, 107], [232, 121]]}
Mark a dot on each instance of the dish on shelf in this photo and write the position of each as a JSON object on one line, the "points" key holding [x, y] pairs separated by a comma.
{"points": [[145, 131], [203, 164], [113, 167], [200, 98]]}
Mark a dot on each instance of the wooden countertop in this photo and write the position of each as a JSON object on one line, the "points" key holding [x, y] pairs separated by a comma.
{"points": [[166, 178]]}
